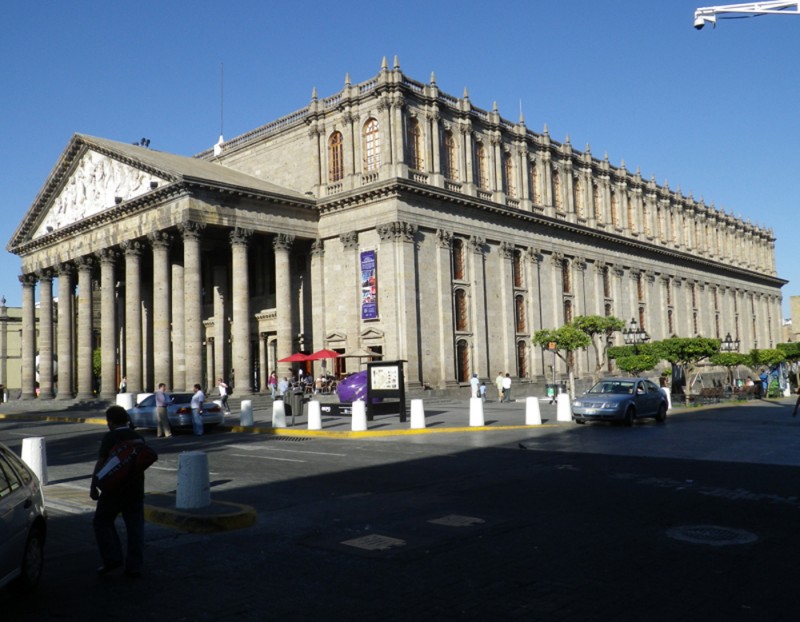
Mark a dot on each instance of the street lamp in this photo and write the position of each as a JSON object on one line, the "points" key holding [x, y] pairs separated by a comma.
{"points": [[728, 344], [634, 335]]}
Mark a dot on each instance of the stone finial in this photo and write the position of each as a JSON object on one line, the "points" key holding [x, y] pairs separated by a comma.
{"points": [[622, 164], [396, 62], [546, 131], [433, 77], [588, 149], [494, 106], [567, 141], [466, 93], [347, 79], [314, 94], [605, 157]]}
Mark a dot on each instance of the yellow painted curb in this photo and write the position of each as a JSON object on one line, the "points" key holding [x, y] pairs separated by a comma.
{"points": [[372, 433], [55, 419], [220, 516]]}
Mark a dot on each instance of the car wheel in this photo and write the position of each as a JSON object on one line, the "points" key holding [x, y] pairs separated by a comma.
{"points": [[661, 416], [630, 416], [581, 421], [32, 562]]}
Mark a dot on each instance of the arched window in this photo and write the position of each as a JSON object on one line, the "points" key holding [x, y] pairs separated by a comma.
{"points": [[516, 263], [519, 313], [414, 145], [577, 197], [462, 315], [335, 157], [508, 175], [372, 146], [614, 209], [482, 165], [459, 266], [536, 192], [450, 159], [566, 281], [462, 360], [597, 204], [522, 360], [606, 283], [557, 202], [567, 311]]}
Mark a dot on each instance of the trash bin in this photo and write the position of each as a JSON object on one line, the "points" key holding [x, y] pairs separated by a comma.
{"points": [[555, 389], [296, 404]]}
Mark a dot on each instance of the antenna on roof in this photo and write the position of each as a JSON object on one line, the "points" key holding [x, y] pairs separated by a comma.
{"points": [[218, 146]]}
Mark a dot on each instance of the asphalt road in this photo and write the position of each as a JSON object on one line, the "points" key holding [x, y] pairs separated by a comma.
{"points": [[692, 520]]}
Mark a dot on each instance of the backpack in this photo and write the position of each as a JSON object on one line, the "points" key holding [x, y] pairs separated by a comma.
{"points": [[230, 389], [125, 459]]}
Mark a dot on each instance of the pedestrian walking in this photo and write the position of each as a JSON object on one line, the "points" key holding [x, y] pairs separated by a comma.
{"points": [[224, 392], [162, 418], [474, 385], [123, 385], [498, 383], [507, 388], [198, 398], [273, 384], [482, 391], [128, 500], [283, 386]]}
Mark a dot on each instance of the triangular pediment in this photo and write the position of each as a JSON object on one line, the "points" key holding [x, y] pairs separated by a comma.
{"points": [[372, 333], [96, 183]]}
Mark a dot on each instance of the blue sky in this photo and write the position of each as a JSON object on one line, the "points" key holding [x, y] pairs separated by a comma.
{"points": [[713, 111]]}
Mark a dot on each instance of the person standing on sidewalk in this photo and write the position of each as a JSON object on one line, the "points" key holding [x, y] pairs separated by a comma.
{"points": [[162, 419], [197, 410], [498, 383], [128, 500], [474, 385], [224, 391], [507, 388], [273, 384]]}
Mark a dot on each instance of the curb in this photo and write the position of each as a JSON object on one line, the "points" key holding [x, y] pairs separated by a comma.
{"points": [[159, 509]]}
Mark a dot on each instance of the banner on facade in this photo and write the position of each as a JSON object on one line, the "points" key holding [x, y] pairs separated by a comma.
{"points": [[369, 286]]}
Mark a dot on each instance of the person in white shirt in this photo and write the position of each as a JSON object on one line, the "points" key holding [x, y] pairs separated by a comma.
{"points": [[507, 388], [223, 394], [474, 383], [197, 410]]}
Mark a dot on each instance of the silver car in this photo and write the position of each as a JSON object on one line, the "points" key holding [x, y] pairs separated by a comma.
{"points": [[621, 399], [23, 524], [179, 412]]}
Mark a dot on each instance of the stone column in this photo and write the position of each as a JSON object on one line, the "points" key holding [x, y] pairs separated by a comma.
{"points": [[66, 356], [533, 306], [46, 353], [219, 327], [435, 156], [84, 363], [263, 362], [506, 324], [28, 345], [444, 277], [193, 303], [352, 321], [317, 299], [162, 348], [241, 354], [108, 325], [477, 273], [178, 328], [132, 364], [283, 299]]}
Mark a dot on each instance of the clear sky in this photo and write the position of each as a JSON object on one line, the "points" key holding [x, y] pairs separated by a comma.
{"points": [[713, 111]]}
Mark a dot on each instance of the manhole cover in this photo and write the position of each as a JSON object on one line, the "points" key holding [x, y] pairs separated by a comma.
{"points": [[375, 542], [711, 534], [454, 520]]}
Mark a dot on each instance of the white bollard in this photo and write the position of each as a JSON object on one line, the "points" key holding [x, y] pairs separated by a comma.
{"points": [[125, 400], [359, 416], [476, 412], [314, 415], [533, 414], [246, 413], [665, 391], [417, 414], [563, 407], [193, 488], [35, 456], [278, 414]]}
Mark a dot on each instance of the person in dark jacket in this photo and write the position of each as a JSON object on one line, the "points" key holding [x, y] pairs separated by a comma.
{"points": [[128, 501]]}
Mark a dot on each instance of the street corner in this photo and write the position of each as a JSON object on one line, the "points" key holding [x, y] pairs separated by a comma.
{"points": [[218, 516]]}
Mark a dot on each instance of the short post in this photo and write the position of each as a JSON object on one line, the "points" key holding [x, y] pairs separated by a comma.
{"points": [[359, 416], [314, 415], [563, 407], [417, 414], [34, 455], [193, 486], [278, 414], [533, 414], [476, 412], [125, 400], [665, 391], [246, 413]]}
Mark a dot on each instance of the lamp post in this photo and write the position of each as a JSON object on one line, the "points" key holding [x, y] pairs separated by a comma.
{"points": [[634, 335], [728, 344]]}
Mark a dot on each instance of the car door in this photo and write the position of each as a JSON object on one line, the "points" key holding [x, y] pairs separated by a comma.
{"points": [[653, 395], [13, 519]]}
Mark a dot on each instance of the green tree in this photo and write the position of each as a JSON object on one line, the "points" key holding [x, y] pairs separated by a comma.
{"points": [[599, 328], [566, 340], [687, 352], [729, 360], [636, 359], [766, 357], [792, 352]]}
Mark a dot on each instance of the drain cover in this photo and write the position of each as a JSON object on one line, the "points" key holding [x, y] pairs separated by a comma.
{"points": [[375, 542], [711, 534]]}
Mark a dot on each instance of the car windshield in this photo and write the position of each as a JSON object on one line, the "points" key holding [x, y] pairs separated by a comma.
{"points": [[619, 387]]}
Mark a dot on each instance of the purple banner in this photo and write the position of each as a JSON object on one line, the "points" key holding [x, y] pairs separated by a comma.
{"points": [[369, 286]]}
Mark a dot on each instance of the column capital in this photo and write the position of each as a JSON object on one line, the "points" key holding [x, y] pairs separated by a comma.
{"points": [[507, 250], [107, 256], [444, 238], [283, 242], [131, 248], [159, 239], [27, 280], [84, 263], [398, 231], [190, 230], [534, 255], [64, 269], [240, 236], [477, 244], [45, 274], [318, 248], [349, 240]]}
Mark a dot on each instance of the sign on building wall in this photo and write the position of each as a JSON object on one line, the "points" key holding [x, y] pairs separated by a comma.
{"points": [[369, 286]]}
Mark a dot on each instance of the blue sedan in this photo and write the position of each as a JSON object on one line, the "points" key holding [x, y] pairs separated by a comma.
{"points": [[179, 412], [621, 399]]}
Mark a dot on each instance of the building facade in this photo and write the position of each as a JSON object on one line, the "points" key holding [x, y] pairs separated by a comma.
{"points": [[389, 216]]}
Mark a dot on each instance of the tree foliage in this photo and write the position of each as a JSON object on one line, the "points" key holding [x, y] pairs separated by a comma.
{"points": [[566, 340], [766, 357], [599, 328]]}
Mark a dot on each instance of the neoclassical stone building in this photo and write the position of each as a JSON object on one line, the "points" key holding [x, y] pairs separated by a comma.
{"points": [[389, 216]]}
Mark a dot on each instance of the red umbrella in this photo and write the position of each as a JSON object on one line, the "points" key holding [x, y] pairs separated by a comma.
{"points": [[322, 354], [297, 357]]}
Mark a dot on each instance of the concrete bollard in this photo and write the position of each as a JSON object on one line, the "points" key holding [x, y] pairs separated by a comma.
{"points": [[563, 407], [665, 391], [246, 413], [193, 487], [34, 455], [314, 415], [533, 414], [125, 400], [278, 414], [476, 412], [359, 417], [417, 414]]}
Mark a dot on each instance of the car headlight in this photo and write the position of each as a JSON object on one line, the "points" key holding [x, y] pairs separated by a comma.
{"points": [[577, 403]]}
